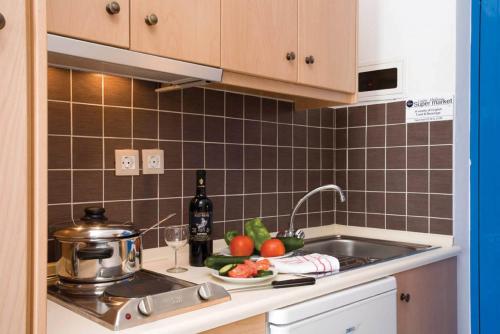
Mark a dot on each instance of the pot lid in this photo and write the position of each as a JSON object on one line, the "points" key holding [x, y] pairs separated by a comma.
{"points": [[95, 225]]}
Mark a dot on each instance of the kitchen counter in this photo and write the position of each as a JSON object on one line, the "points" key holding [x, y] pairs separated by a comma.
{"points": [[251, 303]]}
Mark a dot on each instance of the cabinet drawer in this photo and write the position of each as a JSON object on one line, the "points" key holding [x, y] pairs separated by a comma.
{"points": [[187, 30], [90, 20]]}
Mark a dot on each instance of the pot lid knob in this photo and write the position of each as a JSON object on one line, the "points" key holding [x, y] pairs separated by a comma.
{"points": [[94, 213]]}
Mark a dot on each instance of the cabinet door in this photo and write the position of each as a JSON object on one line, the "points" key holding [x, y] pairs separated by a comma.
{"points": [[101, 21], [14, 133], [188, 30], [327, 44], [427, 299], [257, 35]]}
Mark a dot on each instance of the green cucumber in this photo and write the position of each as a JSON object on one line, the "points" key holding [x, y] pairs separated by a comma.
{"points": [[263, 273], [219, 261], [227, 268], [292, 243]]}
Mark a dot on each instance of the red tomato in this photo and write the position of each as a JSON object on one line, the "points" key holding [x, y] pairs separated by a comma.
{"points": [[263, 264], [240, 271], [241, 245], [272, 247], [252, 265]]}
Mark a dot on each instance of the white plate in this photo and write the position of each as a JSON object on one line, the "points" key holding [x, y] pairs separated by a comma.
{"points": [[251, 280], [227, 252]]}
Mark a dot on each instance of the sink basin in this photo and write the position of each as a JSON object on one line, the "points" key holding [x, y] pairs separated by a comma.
{"points": [[354, 252]]}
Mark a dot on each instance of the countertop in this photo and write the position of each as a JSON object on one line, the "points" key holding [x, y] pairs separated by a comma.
{"points": [[251, 303]]}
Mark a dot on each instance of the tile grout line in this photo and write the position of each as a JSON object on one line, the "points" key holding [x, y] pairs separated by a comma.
{"points": [[182, 160], [406, 174], [225, 160], [347, 167], [293, 151], [334, 145], [429, 179], [321, 171], [243, 144], [385, 166], [366, 165], [158, 175], [244, 165], [299, 192], [261, 204], [71, 141], [307, 166], [131, 144], [276, 166], [102, 140]]}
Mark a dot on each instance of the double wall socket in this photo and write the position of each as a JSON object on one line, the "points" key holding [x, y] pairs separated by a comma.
{"points": [[126, 162]]}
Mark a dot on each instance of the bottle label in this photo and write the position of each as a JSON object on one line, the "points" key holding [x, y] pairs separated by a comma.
{"points": [[201, 223]]}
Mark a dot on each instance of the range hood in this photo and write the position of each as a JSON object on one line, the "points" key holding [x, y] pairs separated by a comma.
{"points": [[173, 74]]}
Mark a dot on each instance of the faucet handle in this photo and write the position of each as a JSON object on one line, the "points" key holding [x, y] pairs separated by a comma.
{"points": [[299, 234], [291, 234]]}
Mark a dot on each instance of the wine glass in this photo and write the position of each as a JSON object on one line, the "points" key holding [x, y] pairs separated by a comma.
{"points": [[176, 237]]}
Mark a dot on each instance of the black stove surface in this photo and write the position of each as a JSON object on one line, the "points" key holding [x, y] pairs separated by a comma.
{"points": [[144, 297], [144, 283]]}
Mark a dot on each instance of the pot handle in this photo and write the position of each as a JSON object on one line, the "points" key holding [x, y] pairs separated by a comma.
{"points": [[94, 253]]}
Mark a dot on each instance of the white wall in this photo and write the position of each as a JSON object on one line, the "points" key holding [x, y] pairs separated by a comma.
{"points": [[432, 39], [419, 33]]}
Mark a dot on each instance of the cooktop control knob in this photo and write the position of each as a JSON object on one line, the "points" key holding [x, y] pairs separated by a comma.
{"points": [[146, 306], [205, 292]]}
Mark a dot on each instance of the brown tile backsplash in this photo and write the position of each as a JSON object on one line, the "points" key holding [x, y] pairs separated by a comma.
{"points": [[261, 156], [406, 170]]}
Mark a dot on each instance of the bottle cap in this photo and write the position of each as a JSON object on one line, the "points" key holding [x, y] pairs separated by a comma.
{"points": [[200, 177]]}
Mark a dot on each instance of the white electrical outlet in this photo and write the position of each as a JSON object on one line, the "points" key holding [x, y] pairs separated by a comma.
{"points": [[152, 162], [126, 162]]}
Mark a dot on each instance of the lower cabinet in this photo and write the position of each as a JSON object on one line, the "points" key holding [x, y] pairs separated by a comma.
{"points": [[253, 325], [426, 303], [427, 299]]}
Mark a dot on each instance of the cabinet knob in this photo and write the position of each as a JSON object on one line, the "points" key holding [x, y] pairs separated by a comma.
{"points": [[290, 56], [405, 297], [151, 19], [113, 8], [2, 21], [309, 60]]}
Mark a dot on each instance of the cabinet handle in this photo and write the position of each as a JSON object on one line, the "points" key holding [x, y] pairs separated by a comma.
{"points": [[405, 297], [2, 21], [290, 56], [113, 8], [309, 60], [151, 19]]}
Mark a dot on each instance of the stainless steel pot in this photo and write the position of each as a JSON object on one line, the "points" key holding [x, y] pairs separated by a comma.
{"points": [[95, 250]]}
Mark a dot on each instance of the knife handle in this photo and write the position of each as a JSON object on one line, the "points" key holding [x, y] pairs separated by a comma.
{"points": [[293, 282]]}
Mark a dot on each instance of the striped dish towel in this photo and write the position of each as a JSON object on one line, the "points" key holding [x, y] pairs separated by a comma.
{"points": [[311, 263]]}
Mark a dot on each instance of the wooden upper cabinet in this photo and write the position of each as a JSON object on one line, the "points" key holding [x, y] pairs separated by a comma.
{"points": [[90, 20], [427, 299], [328, 43], [187, 30], [257, 35]]}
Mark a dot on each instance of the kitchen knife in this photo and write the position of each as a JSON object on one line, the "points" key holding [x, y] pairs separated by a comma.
{"points": [[279, 284]]}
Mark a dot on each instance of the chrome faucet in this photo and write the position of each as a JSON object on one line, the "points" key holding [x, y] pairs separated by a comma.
{"points": [[299, 233]]}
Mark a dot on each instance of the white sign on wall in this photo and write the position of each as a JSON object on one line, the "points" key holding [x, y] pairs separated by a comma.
{"points": [[430, 109]]}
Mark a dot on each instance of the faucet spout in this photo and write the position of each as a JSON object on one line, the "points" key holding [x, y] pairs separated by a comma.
{"points": [[299, 233]]}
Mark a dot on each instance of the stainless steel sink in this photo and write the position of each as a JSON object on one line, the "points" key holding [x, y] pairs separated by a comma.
{"points": [[354, 252]]}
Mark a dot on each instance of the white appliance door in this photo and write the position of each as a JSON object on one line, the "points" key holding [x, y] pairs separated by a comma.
{"points": [[374, 315]]}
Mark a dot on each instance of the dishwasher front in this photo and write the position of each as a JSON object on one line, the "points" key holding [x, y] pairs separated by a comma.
{"points": [[369, 308]]}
